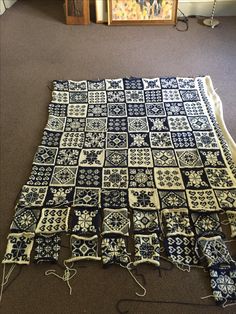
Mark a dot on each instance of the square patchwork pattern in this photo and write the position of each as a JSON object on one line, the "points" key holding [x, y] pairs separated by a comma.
{"points": [[25, 219], [19, 247], [220, 178], [85, 220], [147, 249], [202, 200], [134, 96], [168, 178], [117, 125], [114, 251], [205, 139], [178, 123], [75, 125], [164, 158], [145, 221], [139, 140], [161, 140], [144, 198], [223, 284], [188, 158], [97, 110], [55, 123], [175, 108], [181, 250], [116, 158], [183, 140], [177, 222], [206, 223], [77, 110], [214, 250], [94, 140], [47, 248], [135, 110], [115, 221], [117, 140], [96, 124], [212, 158], [155, 110], [68, 157], [53, 220], [45, 156], [59, 196], [89, 177], [117, 110], [172, 199], [138, 124], [32, 196], [40, 175], [84, 248], [158, 124], [72, 140], [114, 198], [64, 176], [115, 178], [195, 179], [90, 197], [141, 177], [140, 157], [91, 158]]}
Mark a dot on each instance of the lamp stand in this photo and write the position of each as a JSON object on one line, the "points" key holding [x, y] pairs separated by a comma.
{"points": [[211, 22]]}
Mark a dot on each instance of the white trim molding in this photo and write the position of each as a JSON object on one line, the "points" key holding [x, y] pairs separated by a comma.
{"points": [[204, 7]]}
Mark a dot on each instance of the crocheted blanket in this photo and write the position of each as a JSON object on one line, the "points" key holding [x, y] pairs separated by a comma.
{"points": [[134, 158]]}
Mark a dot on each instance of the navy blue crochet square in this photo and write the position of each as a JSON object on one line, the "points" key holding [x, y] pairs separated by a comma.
{"points": [[133, 83], [47, 248], [85, 220], [223, 283]]}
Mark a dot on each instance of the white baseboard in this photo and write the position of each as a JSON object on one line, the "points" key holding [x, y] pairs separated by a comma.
{"points": [[204, 7]]}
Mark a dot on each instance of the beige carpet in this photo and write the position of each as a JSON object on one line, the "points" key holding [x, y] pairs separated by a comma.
{"points": [[37, 47]]}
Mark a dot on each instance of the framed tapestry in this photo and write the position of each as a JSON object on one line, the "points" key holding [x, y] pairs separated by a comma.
{"points": [[141, 12], [77, 12], [101, 11]]}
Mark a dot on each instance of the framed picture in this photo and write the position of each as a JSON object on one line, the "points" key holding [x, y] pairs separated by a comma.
{"points": [[77, 12], [101, 11], [140, 12]]}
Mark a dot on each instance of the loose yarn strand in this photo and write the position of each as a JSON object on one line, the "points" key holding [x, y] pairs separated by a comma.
{"points": [[67, 276], [128, 267], [224, 305], [207, 296], [5, 278]]}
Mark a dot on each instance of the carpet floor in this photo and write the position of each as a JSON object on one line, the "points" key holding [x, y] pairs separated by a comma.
{"points": [[36, 48]]}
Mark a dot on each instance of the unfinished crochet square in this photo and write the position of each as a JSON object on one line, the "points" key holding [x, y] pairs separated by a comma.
{"points": [[114, 251], [147, 249], [84, 248], [223, 284], [214, 250], [47, 248], [181, 250], [19, 247]]}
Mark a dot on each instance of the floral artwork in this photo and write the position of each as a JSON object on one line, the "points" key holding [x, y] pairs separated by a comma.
{"points": [[147, 11]]}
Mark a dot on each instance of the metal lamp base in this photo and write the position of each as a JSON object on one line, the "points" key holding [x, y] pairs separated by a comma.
{"points": [[211, 22]]}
